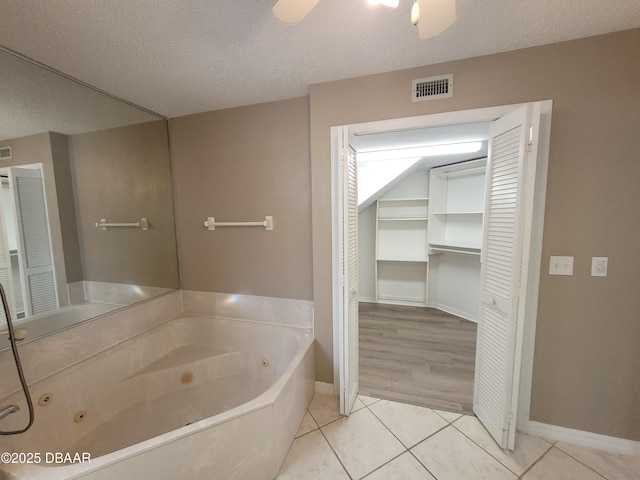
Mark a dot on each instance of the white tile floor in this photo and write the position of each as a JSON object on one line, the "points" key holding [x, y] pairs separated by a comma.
{"points": [[384, 440]]}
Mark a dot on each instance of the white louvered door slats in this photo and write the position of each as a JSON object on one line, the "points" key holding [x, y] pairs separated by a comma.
{"points": [[351, 274], [6, 275], [34, 240], [500, 277], [42, 292], [501, 215], [33, 217]]}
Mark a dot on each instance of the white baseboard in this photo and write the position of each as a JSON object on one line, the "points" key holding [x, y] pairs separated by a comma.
{"points": [[325, 388], [367, 299], [406, 303], [580, 437], [454, 311]]}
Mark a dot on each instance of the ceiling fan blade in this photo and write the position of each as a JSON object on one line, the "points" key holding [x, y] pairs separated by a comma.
{"points": [[293, 11], [435, 17]]}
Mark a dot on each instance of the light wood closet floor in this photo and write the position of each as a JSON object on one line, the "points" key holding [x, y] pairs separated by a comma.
{"points": [[417, 355]]}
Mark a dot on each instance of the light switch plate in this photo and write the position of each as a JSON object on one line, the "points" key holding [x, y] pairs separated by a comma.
{"points": [[599, 266], [561, 265]]}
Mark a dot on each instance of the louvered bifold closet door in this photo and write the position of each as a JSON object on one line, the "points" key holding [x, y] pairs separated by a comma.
{"points": [[34, 241], [501, 263], [351, 281], [6, 274]]}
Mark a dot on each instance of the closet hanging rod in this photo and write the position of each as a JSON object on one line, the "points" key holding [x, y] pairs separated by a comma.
{"points": [[143, 224], [211, 223]]}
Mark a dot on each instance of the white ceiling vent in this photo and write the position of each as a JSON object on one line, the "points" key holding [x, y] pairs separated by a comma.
{"points": [[432, 88], [5, 153]]}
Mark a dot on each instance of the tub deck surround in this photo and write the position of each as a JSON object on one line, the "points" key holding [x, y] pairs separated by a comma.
{"points": [[42, 357], [64, 317], [87, 300], [195, 397], [279, 311], [108, 292]]}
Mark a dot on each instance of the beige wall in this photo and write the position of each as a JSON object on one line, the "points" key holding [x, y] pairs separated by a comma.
{"points": [[587, 359], [123, 174], [247, 162], [66, 207], [239, 165]]}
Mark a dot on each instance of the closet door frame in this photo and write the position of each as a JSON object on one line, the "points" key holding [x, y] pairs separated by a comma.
{"points": [[537, 221]]}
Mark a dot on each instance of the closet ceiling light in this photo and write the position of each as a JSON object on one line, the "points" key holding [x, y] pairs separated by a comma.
{"points": [[423, 151]]}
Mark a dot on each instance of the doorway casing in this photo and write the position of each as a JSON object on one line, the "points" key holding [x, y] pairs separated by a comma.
{"points": [[340, 354]]}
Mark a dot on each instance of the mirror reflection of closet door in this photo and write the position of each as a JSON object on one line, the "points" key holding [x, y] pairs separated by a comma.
{"points": [[6, 270], [34, 240]]}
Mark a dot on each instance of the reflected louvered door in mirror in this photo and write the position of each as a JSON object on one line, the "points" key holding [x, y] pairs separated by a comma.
{"points": [[34, 249], [6, 273], [500, 320]]}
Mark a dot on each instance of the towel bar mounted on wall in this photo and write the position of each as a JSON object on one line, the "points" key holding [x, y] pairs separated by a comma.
{"points": [[143, 224], [211, 223]]}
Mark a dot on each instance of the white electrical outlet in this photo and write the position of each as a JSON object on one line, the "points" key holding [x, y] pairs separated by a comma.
{"points": [[561, 265], [599, 266]]}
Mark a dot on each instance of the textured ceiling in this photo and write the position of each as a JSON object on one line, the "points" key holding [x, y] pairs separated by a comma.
{"points": [[35, 100], [177, 57]]}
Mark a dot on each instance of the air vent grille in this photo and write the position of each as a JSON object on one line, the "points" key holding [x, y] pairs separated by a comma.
{"points": [[432, 88], [5, 153]]}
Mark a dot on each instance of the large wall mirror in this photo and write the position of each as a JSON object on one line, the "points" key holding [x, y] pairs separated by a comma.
{"points": [[73, 159]]}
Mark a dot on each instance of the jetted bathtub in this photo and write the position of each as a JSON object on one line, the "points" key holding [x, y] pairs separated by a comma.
{"points": [[196, 397]]}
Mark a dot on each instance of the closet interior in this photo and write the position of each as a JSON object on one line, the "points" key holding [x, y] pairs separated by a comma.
{"points": [[420, 244]]}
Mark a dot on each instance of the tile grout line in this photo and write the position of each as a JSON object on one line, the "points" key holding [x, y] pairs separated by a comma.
{"points": [[385, 463], [551, 447], [449, 423], [336, 455], [423, 465], [319, 428], [536, 462], [408, 449], [334, 452], [579, 461], [497, 459], [389, 430]]}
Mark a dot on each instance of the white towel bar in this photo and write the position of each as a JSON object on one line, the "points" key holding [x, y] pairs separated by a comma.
{"points": [[143, 224], [211, 223]]}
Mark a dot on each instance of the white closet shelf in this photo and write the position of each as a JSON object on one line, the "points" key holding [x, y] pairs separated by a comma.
{"points": [[404, 259], [461, 171], [401, 263], [467, 249], [412, 199], [458, 213]]}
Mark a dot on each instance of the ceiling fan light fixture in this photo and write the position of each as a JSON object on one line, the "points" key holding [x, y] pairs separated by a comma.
{"points": [[415, 12], [386, 3], [437, 16], [293, 11]]}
